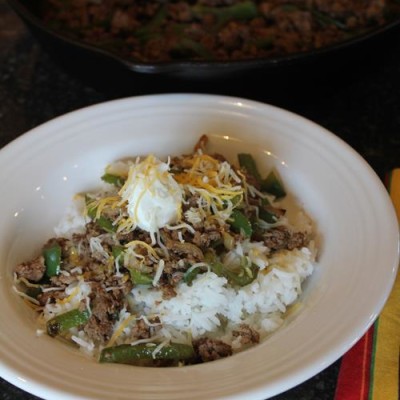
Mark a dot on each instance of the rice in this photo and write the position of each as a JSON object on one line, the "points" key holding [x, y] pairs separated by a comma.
{"points": [[199, 309], [73, 220]]}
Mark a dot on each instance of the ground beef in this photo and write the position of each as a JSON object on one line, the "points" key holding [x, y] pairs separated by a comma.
{"points": [[140, 330], [186, 250], [247, 335], [120, 287], [157, 30], [282, 238], [99, 330], [138, 234], [95, 271], [211, 349], [168, 291], [51, 296], [191, 251], [62, 280], [105, 304], [93, 229], [176, 277], [205, 239], [105, 307], [32, 270]]}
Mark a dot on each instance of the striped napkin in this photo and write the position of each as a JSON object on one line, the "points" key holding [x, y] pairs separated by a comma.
{"points": [[370, 370]]}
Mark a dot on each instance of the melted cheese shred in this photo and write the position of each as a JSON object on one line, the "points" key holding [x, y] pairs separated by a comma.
{"points": [[212, 175], [150, 250], [120, 328], [216, 183]]}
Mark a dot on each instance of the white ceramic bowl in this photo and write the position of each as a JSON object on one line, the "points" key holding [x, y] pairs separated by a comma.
{"points": [[44, 168]]}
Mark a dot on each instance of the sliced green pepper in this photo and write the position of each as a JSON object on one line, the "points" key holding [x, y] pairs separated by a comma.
{"points": [[273, 185], [149, 30], [290, 8], [102, 221], [268, 213], [52, 259], [264, 43], [139, 278], [33, 292], [187, 47], [189, 276], [113, 179], [127, 354], [240, 11], [322, 18], [325, 19], [240, 223], [245, 276], [118, 251], [61, 323], [246, 161]]}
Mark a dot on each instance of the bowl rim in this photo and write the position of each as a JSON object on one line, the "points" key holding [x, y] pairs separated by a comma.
{"points": [[332, 354]]}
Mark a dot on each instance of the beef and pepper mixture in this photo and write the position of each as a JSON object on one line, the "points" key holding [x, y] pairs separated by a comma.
{"points": [[163, 229], [158, 30]]}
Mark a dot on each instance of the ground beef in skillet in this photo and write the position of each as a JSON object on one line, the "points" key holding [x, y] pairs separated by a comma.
{"points": [[157, 30]]}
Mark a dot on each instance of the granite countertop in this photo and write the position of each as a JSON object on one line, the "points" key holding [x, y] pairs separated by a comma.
{"points": [[359, 102]]}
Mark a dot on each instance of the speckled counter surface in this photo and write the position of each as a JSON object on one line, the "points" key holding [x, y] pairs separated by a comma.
{"points": [[360, 104]]}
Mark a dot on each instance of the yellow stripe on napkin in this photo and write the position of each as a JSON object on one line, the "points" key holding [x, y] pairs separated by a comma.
{"points": [[385, 369], [394, 188]]}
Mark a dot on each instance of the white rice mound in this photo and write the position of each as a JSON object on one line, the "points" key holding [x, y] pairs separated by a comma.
{"points": [[74, 219], [204, 307]]}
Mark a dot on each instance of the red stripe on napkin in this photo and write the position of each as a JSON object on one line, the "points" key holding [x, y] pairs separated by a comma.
{"points": [[355, 370]]}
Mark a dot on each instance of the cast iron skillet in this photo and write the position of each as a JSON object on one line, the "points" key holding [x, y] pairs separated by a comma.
{"points": [[80, 56]]}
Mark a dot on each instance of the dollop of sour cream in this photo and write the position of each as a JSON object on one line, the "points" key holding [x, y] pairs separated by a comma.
{"points": [[154, 198]]}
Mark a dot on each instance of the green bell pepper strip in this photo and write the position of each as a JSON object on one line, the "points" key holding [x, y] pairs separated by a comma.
{"points": [[189, 276], [118, 251], [149, 31], [265, 212], [263, 43], [52, 259], [113, 179], [273, 185], [240, 223], [243, 278], [325, 19], [139, 278], [63, 322], [186, 45], [240, 11], [321, 18], [267, 216], [127, 354], [33, 292], [246, 161], [102, 221], [290, 8]]}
